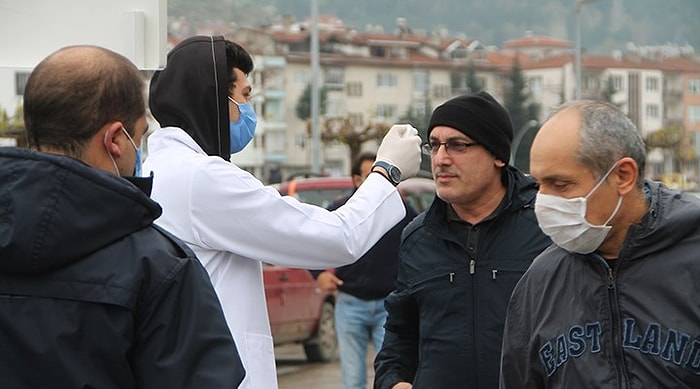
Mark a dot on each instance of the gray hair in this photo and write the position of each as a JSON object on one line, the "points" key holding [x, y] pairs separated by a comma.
{"points": [[607, 135]]}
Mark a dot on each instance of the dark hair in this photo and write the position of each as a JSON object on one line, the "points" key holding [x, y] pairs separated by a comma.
{"points": [[237, 57], [357, 164], [75, 91]]}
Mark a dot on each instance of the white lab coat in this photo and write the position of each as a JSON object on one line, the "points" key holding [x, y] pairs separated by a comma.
{"points": [[233, 222]]}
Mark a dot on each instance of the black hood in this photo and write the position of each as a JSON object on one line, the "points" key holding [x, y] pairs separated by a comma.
{"points": [[55, 210], [191, 93]]}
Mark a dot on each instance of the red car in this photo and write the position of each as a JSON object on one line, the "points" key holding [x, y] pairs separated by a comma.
{"points": [[300, 311]]}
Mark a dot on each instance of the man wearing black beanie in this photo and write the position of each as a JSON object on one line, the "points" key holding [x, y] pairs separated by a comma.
{"points": [[461, 258]]}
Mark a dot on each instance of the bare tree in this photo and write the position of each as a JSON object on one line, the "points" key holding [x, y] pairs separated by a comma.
{"points": [[341, 129]]}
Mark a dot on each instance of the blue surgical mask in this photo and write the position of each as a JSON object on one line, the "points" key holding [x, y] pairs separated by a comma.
{"points": [[242, 130], [137, 164]]}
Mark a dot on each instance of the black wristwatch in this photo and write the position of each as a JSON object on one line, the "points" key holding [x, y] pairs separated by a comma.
{"points": [[394, 172]]}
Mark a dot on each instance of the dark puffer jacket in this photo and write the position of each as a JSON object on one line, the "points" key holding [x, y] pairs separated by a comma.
{"points": [[91, 294], [446, 318], [575, 322]]}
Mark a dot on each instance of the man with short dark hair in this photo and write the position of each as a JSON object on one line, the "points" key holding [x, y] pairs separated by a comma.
{"points": [[203, 102], [461, 258], [362, 287], [613, 302], [91, 293]]}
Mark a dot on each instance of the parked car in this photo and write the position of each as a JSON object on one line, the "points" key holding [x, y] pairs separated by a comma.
{"points": [[299, 310]]}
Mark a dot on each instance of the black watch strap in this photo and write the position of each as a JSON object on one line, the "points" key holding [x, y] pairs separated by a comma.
{"points": [[394, 174]]}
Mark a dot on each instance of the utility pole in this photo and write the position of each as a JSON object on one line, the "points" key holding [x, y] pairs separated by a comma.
{"points": [[579, 4], [315, 97]]}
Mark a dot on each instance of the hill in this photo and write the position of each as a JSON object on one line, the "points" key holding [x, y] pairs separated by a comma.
{"points": [[606, 24]]}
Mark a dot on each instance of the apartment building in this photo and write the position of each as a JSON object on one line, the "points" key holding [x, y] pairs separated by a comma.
{"points": [[374, 78]]}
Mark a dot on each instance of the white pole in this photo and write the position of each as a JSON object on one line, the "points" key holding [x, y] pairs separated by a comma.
{"points": [[579, 4], [315, 130], [577, 94]]}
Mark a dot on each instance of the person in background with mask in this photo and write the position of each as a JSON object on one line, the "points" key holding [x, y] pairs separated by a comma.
{"points": [[92, 294], [462, 257], [233, 222], [611, 304]]}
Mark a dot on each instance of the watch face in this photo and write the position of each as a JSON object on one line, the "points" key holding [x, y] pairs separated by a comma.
{"points": [[395, 174]]}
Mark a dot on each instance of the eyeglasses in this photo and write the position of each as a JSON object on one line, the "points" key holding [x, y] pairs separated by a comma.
{"points": [[452, 147]]}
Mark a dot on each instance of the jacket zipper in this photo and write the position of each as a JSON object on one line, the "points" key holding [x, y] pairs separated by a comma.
{"points": [[615, 330], [472, 272]]}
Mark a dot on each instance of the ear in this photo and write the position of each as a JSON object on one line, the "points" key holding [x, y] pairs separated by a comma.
{"points": [[111, 138], [499, 163], [627, 173], [356, 180]]}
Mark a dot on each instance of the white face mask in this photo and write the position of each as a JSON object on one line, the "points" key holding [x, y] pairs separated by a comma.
{"points": [[564, 221]]}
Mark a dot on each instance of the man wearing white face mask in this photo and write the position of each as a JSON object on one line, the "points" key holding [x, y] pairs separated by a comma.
{"points": [[612, 303], [233, 222]]}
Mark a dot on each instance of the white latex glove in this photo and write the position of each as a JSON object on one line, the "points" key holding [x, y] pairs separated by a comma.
{"points": [[401, 148]]}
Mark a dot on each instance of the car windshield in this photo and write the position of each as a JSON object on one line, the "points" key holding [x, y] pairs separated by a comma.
{"points": [[321, 197]]}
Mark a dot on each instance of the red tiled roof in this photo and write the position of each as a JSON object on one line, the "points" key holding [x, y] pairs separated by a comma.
{"points": [[549, 62], [605, 62], [680, 65], [505, 61], [537, 41]]}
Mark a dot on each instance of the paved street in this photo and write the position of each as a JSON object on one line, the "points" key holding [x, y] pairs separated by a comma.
{"points": [[293, 372]]}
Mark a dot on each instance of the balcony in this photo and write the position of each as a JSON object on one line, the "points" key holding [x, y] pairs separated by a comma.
{"points": [[671, 95]]}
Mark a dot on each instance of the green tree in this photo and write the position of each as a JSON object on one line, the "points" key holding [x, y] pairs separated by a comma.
{"points": [[13, 126], [303, 107], [673, 140], [523, 111], [4, 119], [608, 91], [472, 81], [420, 120]]}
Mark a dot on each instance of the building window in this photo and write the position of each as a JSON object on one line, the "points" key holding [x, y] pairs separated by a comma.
{"points": [[386, 80], [386, 111], [20, 82], [652, 111], [421, 81], [441, 91], [694, 113], [356, 119], [273, 110], [652, 84], [302, 78], [334, 79], [419, 109], [355, 89], [334, 108], [694, 86], [535, 84], [617, 82]]}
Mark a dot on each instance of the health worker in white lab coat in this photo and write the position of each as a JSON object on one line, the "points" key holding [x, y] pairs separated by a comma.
{"points": [[231, 220]]}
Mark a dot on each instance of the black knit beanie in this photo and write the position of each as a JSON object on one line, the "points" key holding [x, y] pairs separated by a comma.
{"points": [[479, 116]]}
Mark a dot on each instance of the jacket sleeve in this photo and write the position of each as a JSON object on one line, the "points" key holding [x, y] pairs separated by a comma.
{"points": [[397, 361], [232, 211], [182, 340], [516, 369]]}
